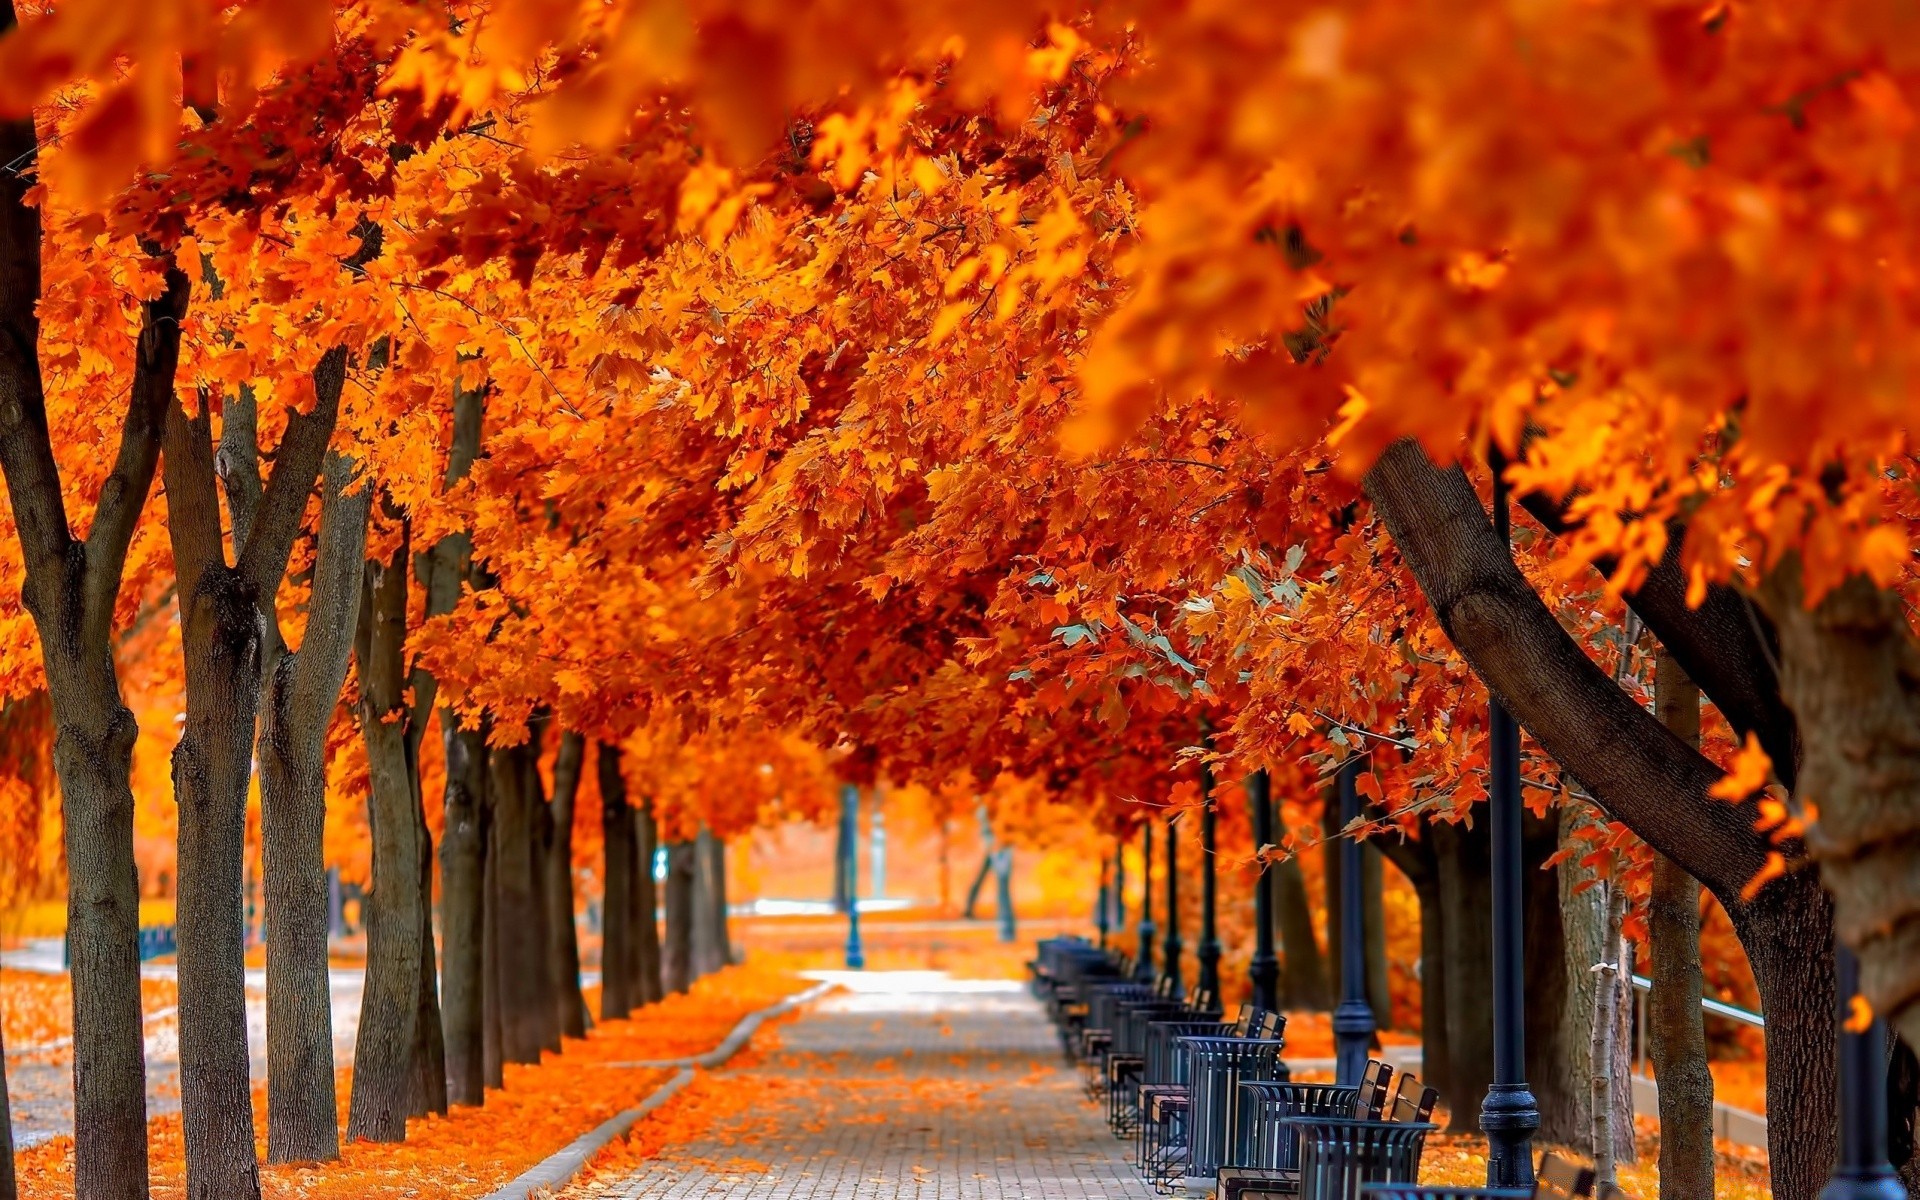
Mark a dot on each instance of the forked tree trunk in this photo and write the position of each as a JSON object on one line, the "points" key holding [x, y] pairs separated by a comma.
{"points": [[617, 952], [1642, 775], [224, 616], [463, 910], [383, 1073], [1303, 969], [677, 967], [563, 942], [1676, 1026], [303, 1119], [71, 588], [645, 921]]}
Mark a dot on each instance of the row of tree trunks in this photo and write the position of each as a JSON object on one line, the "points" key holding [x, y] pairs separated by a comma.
{"points": [[677, 960], [630, 945]]}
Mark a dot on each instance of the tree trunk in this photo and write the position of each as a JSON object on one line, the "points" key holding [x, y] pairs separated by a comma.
{"points": [[463, 848], [710, 949], [493, 1054], [71, 589], [563, 944], [617, 952], [527, 1023], [303, 1118], [1676, 1026], [680, 903], [1641, 774], [1851, 671], [9, 1187], [1303, 970], [383, 1067], [429, 1039], [644, 920], [1606, 993]]}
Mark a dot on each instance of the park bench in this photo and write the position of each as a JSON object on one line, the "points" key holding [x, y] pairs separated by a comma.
{"points": [[1187, 1124], [1364, 1131], [1105, 1009], [1557, 1179], [1264, 1156], [1126, 1057]]}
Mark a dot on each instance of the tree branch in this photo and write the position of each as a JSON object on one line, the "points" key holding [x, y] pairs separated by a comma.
{"points": [[238, 462], [1635, 767], [283, 503], [1725, 645], [320, 665], [26, 446], [193, 503]]}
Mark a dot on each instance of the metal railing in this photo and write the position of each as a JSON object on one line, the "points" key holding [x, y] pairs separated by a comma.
{"points": [[1718, 1008]]}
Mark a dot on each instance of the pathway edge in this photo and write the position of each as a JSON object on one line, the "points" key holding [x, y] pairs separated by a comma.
{"points": [[558, 1169]]}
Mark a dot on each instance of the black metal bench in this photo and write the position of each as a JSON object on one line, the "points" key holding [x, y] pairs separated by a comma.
{"points": [[1264, 1157], [1186, 1126]]}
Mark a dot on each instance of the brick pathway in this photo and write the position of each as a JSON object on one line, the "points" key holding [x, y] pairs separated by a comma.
{"points": [[909, 1087]]}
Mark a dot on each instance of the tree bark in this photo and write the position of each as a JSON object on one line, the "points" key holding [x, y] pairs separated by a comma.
{"points": [[680, 903], [563, 946], [1640, 773], [711, 950], [303, 1120], [463, 898], [429, 1039], [1416, 861], [442, 570], [493, 1049], [1303, 970], [1850, 668], [1676, 1027], [9, 1187], [383, 1071], [70, 590], [618, 956], [526, 1008], [647, 987]]}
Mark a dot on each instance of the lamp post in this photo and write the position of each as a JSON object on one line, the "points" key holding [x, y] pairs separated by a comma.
{"points": [[1862, 1172], [1170, 949], [1353, 1018], [1119, 886], [1101, 905], [1143, 965], [1263, 972], [850, 864], [1207, 952], [1509, 1114]]}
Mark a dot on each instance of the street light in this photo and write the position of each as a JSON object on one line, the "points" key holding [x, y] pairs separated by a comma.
{"points": [[1207, 952], [850, 863], [1862, 1172], [1102, 904], [1170, 949], [1509, 1115], [1264, 969], [1353, 1019]]}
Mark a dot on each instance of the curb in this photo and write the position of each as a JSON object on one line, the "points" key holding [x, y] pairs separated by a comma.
{"points": [[558, 1169]]}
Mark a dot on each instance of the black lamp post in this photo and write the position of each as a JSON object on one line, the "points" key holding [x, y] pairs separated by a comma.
{"points": [[1862, 1172], [1143, 965], [1509, 1114], [1101, 905], [1170, 949], [1119, 886], [1207, 951], [850, 863], [1353, 1018], [1264, 969]]}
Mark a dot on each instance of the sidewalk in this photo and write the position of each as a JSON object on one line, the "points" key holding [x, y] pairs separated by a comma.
{"points": [[905, 1086]]}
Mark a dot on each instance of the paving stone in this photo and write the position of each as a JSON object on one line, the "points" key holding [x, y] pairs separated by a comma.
{"points": [[917, 1088]]}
